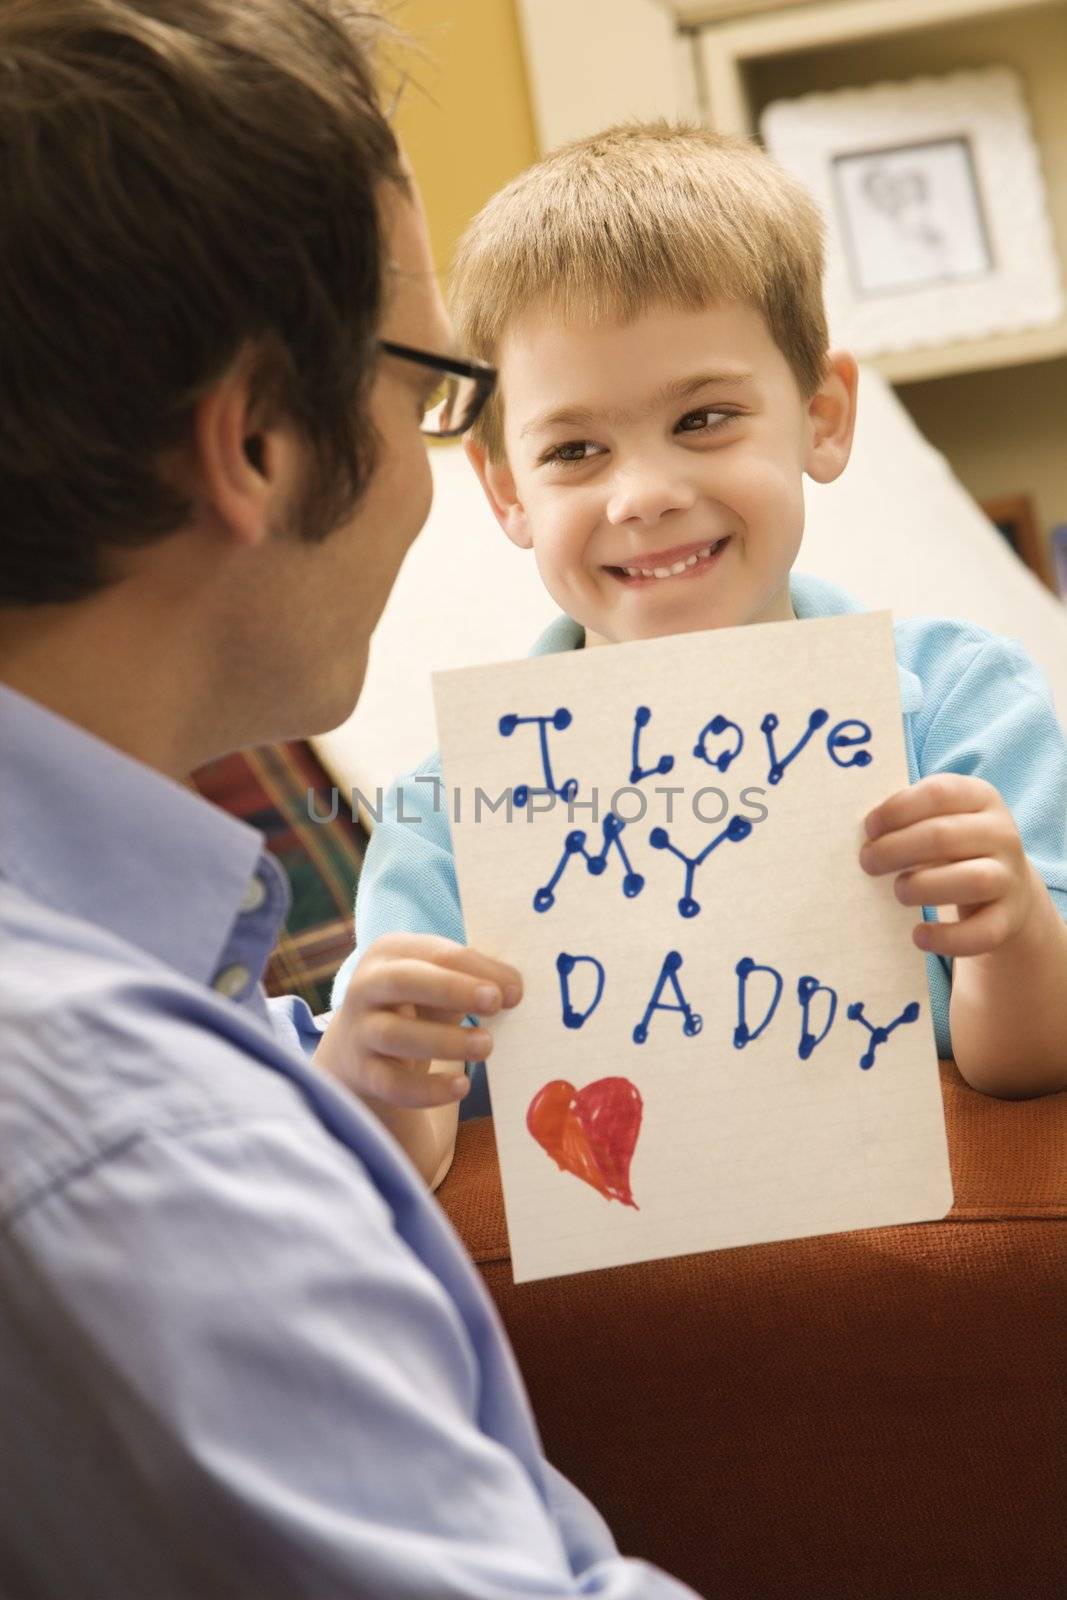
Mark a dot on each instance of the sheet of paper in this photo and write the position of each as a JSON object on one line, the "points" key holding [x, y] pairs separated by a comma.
{"points": [[725, 1036]]}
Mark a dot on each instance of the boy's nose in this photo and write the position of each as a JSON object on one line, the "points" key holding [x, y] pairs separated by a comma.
{"points": [[647, 494]]}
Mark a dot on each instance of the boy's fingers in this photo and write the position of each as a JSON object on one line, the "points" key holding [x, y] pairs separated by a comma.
{"points": [[959, 837], [409, 1085], [447, 955], [940, 793], [438, 1014], [407, 981], [498, 974], [977, 934], [968, 883], [386, 1033]]}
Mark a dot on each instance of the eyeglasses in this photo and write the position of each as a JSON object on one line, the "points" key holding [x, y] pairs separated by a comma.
{"points": [[456, 401]]}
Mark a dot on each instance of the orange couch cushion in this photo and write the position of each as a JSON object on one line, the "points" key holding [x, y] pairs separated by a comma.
{"points": [[860, 1416]]}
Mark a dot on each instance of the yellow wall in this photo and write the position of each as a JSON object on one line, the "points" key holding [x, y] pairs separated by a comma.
{"points": [[466, 120]]}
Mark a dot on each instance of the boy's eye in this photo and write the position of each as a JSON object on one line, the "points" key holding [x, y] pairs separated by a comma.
{"points": [[574, 450], [706, 420]]}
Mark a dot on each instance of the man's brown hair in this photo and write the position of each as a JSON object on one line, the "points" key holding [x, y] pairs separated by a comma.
{"points": [[179, 180], [640, 215]]}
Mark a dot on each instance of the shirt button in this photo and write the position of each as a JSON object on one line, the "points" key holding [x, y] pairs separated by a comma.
{"points": [[231, 980], [254, 895]]}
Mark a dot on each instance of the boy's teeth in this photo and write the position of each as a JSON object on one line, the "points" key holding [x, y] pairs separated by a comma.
{"points": [[671, 572]]}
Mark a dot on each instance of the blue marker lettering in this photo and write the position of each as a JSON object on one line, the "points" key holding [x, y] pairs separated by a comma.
{"points": [[837, 739], [744, 969], [642, 718], [565, 965], [767, 727], [736, 829], [716, 726], [559, 720], [807, 989], [879, 1036], [668, 974], [574, 845]]}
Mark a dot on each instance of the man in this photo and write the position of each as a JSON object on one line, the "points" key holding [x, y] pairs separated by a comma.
{"points": [[242, 1353]]}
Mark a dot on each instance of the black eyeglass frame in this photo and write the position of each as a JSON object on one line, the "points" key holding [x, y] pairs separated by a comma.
{"points": [[483, 376]]}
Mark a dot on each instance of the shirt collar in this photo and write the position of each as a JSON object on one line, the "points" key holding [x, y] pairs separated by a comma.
{"points": [[97, 834], [811, 597]]}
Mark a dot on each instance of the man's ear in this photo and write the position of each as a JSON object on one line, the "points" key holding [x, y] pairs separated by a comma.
{"points": [[242, 467], [832, 418], [499, 485]]}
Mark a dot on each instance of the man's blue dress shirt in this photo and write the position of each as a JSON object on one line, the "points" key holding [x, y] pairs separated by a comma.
{"points": [[242, 1352]]}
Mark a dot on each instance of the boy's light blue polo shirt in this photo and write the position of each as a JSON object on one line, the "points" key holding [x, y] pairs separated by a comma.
{"points": [[972, 702]]}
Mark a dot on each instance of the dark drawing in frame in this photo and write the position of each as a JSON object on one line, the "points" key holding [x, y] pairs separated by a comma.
{"points": [[1014, 517]]}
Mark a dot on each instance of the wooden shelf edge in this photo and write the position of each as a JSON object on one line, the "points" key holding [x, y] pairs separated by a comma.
{"points": [[977, 355], [781, 29]]}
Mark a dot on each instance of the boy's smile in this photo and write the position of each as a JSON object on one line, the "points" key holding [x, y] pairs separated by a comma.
{"points": [[655, 467], [684, 561]]}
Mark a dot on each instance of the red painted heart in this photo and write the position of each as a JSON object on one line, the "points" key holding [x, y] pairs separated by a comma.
{"points": [[591, 1132]]}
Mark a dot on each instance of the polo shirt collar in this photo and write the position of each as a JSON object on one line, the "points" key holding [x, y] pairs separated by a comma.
{"points": [[818, 597], [811, 597]]}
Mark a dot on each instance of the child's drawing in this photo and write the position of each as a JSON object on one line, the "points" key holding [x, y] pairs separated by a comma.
{"points": [[591, 1132]]}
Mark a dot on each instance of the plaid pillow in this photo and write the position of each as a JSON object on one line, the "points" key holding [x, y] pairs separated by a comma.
{"points": [[280, 789]]}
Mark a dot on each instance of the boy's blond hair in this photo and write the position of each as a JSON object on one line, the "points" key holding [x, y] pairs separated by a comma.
{"points": [[645, 214]]}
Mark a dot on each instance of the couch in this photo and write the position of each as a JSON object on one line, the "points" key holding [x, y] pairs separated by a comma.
{"points": [[875, 1415]]}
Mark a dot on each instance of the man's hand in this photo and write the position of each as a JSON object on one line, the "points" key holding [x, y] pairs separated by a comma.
{"points": [[953, 841], [403, 1011]]}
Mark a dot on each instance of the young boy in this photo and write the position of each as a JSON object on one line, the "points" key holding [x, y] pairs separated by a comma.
{"points": [[652, 298]]}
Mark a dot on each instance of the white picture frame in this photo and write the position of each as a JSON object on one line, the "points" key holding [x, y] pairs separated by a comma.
{"points": [[937, 224]]}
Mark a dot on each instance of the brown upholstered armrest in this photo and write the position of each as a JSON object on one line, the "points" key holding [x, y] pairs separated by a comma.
{"points": [[862, 1416]]}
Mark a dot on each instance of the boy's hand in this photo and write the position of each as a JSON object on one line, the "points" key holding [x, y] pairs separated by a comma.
{"points": [[403, 1010], [954, 842]]}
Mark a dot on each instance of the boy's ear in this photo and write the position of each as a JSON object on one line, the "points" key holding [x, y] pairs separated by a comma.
{"points": [[499, 485], [832, 418]]}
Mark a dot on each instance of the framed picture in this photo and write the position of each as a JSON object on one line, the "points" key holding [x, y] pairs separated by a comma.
{"points": [[937, 226], [1013, 516]]}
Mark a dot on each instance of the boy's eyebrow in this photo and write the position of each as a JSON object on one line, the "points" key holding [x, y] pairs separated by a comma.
{"points": [[678, 389]]}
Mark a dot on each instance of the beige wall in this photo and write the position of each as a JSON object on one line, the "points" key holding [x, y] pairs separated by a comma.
{"points": [[466, 120], [1002, 431]]}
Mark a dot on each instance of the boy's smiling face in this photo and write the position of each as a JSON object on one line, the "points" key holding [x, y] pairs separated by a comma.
{"points": [[655, 467]]}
